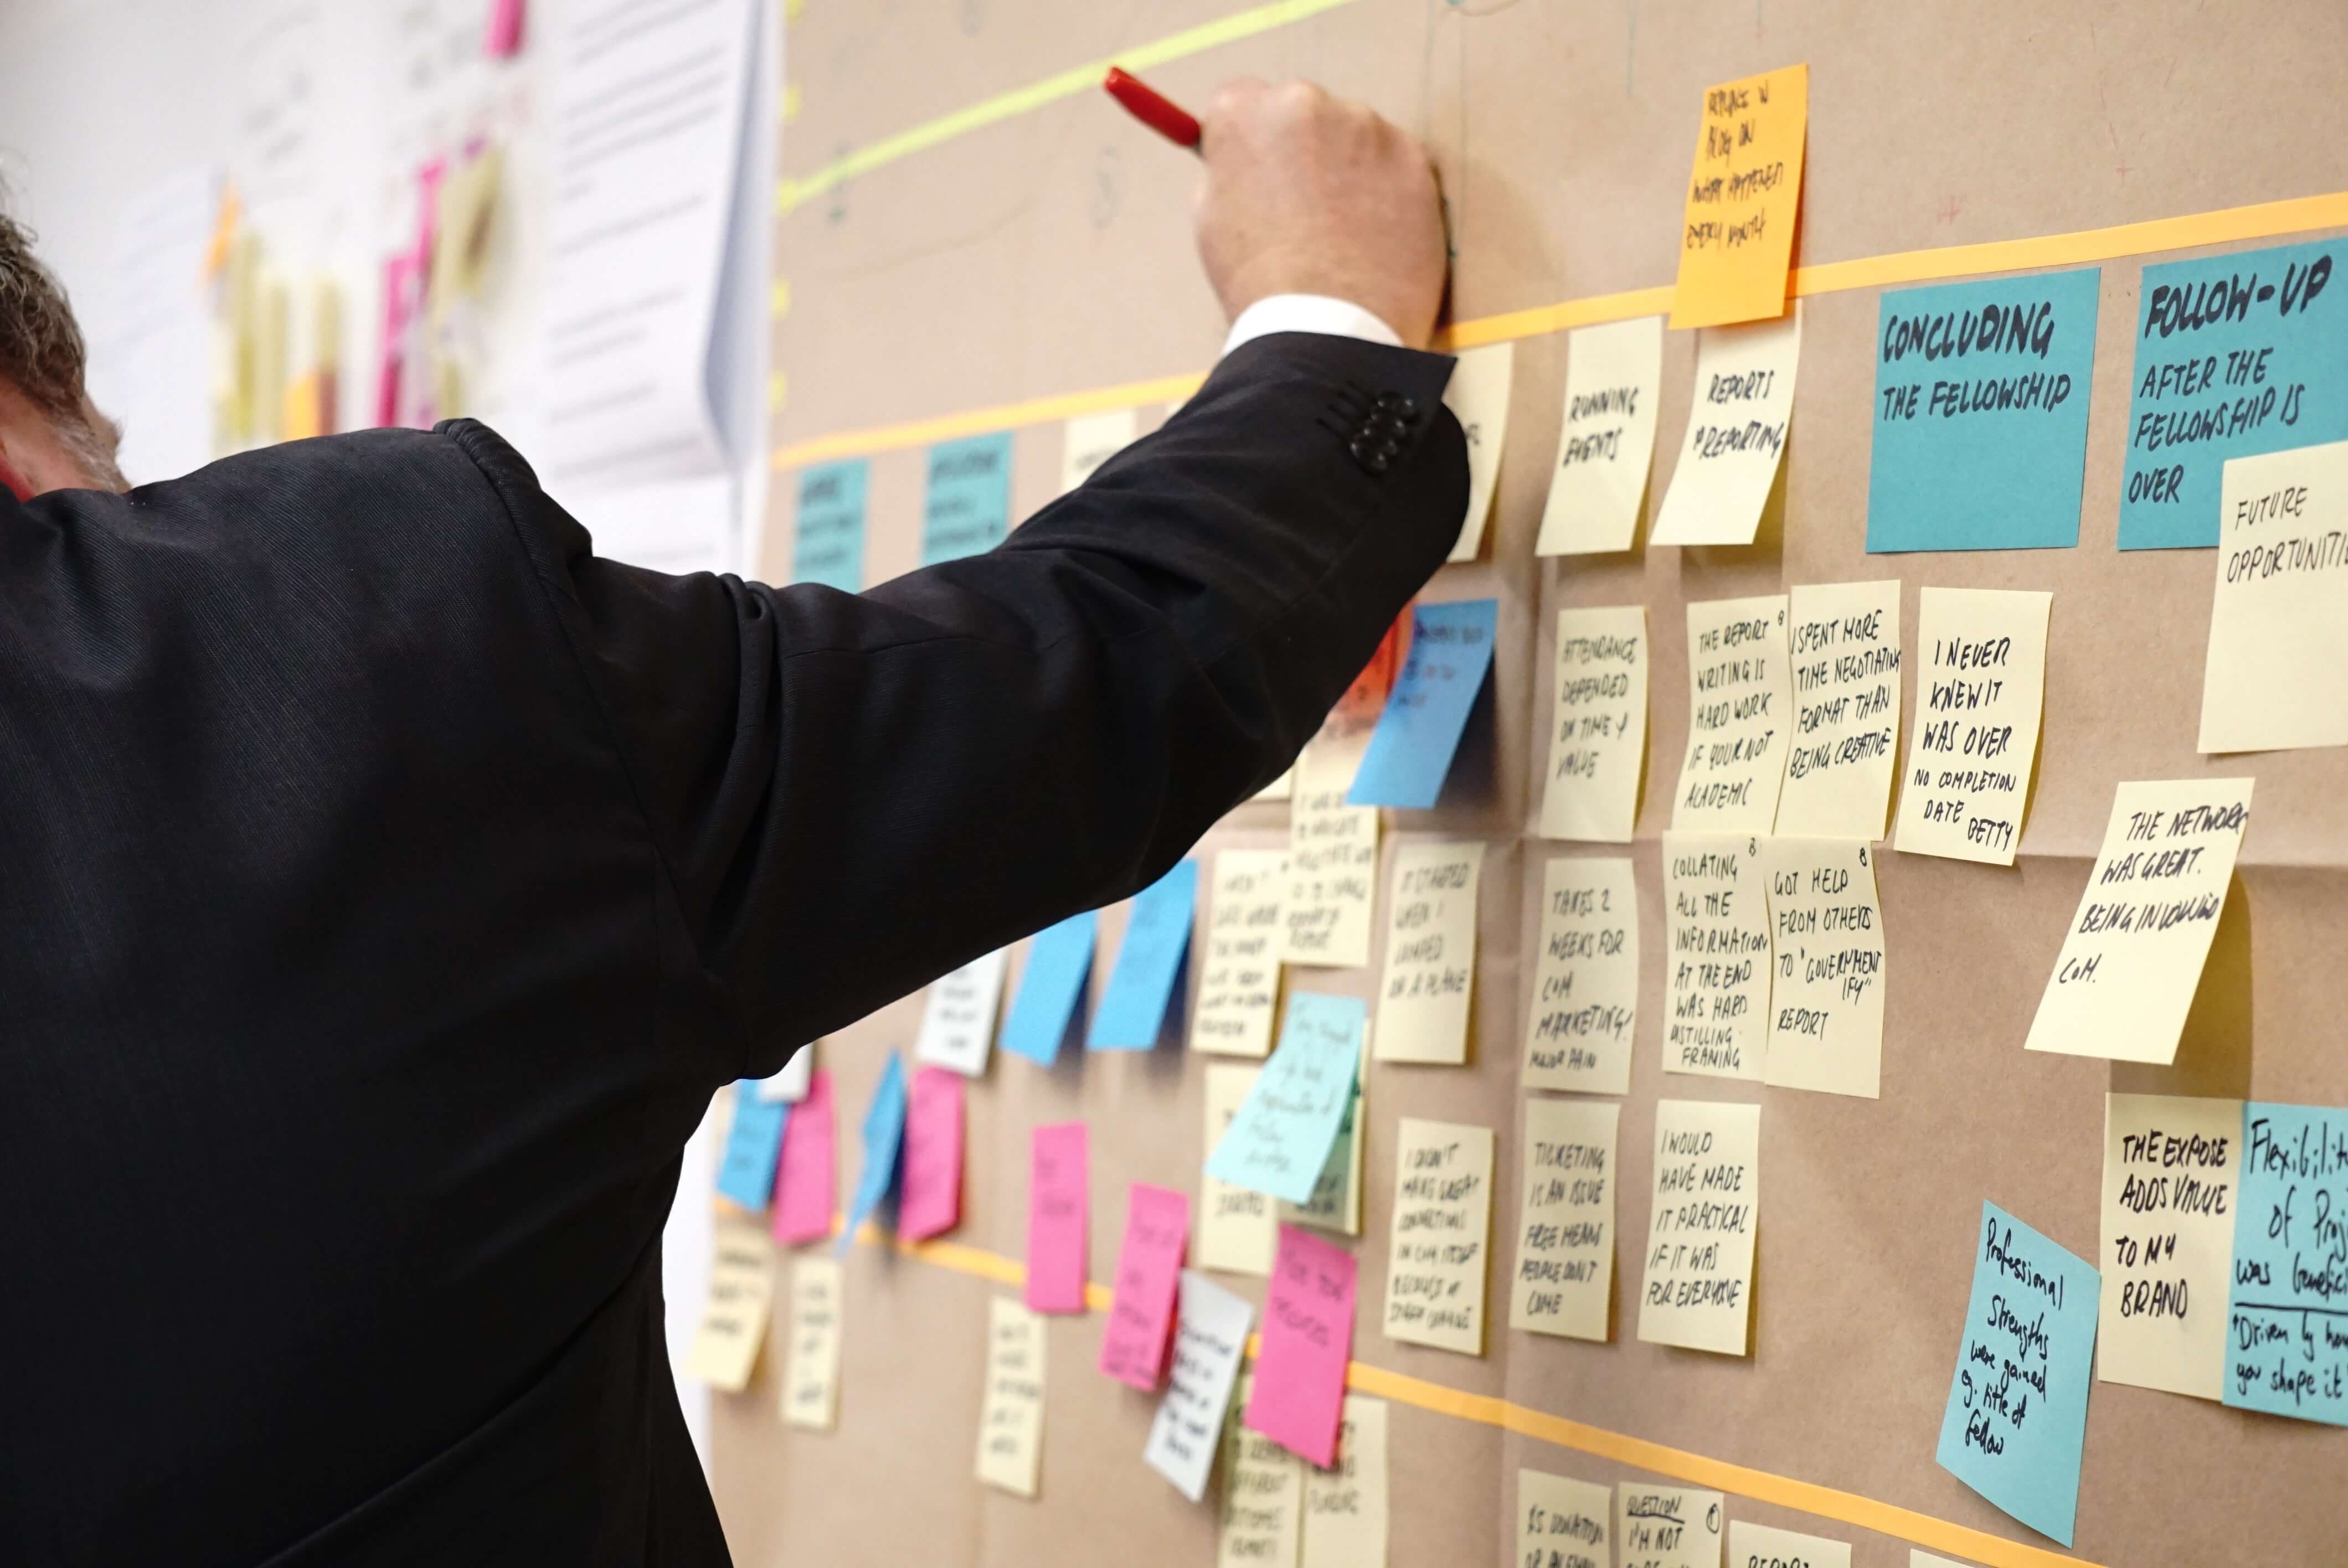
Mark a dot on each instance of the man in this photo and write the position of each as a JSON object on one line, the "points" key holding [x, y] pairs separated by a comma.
{"points": [[390, 882]]}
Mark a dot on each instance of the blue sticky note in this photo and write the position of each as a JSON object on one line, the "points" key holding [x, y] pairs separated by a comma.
{"points": [[968, 507], [1157, 936], [2017, 1417], [1410, 751], [2234, 356], [2287, 1329], [1279, 1140], [1981, 414], [884, 1130], [1058, 960], [828, 540], [747, 1173]]}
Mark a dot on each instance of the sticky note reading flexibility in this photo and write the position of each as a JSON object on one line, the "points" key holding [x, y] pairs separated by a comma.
{"points": [[811, 1374], [1667, 1526], [1717, 966], [1157, 937], [2235, 356], [1761, 1546], [2017, 1417], [1308, 1337], [1346, 1508], [1058, 1211], [828, 540], [1236, 1228], [1825, 997], [1430, 954], [1210, 1334], [1333, 865], [1564, 1276], [2287, 1316], [1701, 1226], [1735, 434], [1585, 989], [2132, 960], [932, 1202], [1980, 414], [1059, 961], [966, 510], [1478, 394], [808, 1174], [2279, 626], [1091, 440], [1979, 695], [1562, 1523], [1411, 750], [1279, 1140], [1436, 1261], [1613, 376], [1740, 711], [733, 1316], [1598, 724], [746, 1172], [958, 1018], [884, 1132], [1336, 1201], [1743, 193], [1149, 1263], [1263, 1499], [1843, 642], [1011, 1417], [1239, 985], [2172, 1168]]}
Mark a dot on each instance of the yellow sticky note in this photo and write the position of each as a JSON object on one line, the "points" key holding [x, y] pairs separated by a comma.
{"points": [[2132, 960], [2172, 1168], [1667, 1526], [1237, 1231], [1562, 1523], [1332, 862], [1442, 1230], [1598, 724], [1239, 983], [1764, 1546], [1735, 434], [1704, 1210], [1585, 989], [1740, 716], [1263, 1495], [1478, 394], [1091, 440], [1981, 688], [1011, 1418], [1280, 788], [2279, 626], [1346, 1508], [733, 1319], [1737, 243], [1717, 961], [1430, 967], [1564, 1276], [1613, 376], [1825, 991], [1842, 640], [811, 1376]]}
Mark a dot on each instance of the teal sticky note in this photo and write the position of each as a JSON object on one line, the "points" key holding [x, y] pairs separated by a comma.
{"points": [[1418, 730], [966, 510], [1981, 414], [2016, 1422], [2234, 356], [1279, 1143], [2287, 1311], [747, 1172], [828, 540], [1157, 936], [884, 1132], [1058, 961]]}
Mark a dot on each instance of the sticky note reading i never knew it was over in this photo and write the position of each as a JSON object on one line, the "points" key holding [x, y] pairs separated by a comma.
{"points": [[1011, 1417], [1308, 1338], [1058, 1211], [2286, 1334], [827, 535], [1280, 1138], [1598, 724], [1210, 1334], [1149, 1263], [1059, 961], [1565, 1244], [1981, 688], [1740, 714], [1716, 967], [1437, 1261], [1736, 244], [1826, 995], [930, 1204], [2279, 626], [1585, 991], [2172, 1170], [1411, 750], [1701, 1220], [1156, 938], [1613, 376], [1239, 985], [1735, 435], [966, 510], [1430, 955], [1843, 642], [1478, 394]]}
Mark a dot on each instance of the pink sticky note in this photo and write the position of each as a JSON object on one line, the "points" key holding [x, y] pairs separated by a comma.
{"points": [[808, 1167], [931, 1203], [1056, 1218], [1308, 1337], [1149, 1269], [504, 36]]}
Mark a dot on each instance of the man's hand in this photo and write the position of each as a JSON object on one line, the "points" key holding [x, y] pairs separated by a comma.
{"points": [[1309, 194]]}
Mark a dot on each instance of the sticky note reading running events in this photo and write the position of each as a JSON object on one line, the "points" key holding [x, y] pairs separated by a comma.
{"points": [[1981, 688], [1735, 434], [1740, 711], [1745, 190]]}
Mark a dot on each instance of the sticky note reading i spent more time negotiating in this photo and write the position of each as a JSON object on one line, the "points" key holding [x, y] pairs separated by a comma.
{"points": [[1843, 642], [1740, 701], [1745, 190], [1981, 689], [1736, 432]]}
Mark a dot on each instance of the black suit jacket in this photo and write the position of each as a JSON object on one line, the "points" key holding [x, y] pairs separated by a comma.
{"points": [[390, 882]]}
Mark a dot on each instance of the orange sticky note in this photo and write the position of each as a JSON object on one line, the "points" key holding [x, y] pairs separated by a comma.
{"points": [[1738, 240]]}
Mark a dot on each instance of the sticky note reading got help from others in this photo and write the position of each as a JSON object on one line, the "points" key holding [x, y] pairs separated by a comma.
{"points": [[1011, 1417], [2279, 626], [1058, 1211], [1613, 374], [1761, 1546], [1141, 986], [2172, 1168], [1239, 985], [1149, 1263], [1843, 642], [808, 1174], [1308, 1338], [1059, 961], [2287, 1316], [2132, 958], [1981, 687], [1735, 434], [1280, 1138], [1667, 1526], [733, 1316], [1092, 439], [1430, 955], [1437, 1256], [1562, 1523], [828, 539], [1826, 994], [1210, 1334], [1716, 968], [1263, 1498], [1740, 714], [1235, 1225], [1585, 989], [746, 1172], [812, 1377], [958, 1018], [1411, 750], [1478, 394], [1745, 190], [884, 1132], [966, 510], [1701, 1226], [1565, 1244], [1598, 724], [930, 1204], [1346, 1507]]}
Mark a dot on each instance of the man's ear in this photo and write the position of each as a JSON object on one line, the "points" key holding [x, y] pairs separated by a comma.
{"points": [[12, 480]]}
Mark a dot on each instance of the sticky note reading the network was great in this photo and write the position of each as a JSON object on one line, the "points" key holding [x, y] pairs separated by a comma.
{"points": [[1058, 961], [1149, 1263], [1667, 1526], [1613, 376], [2287, 1316], [1280, 1138], [2279, 626], [1761, 1546], [1562, 1523], [1743, 193], [1239, 985], [2235, 356], [1842, 640], [932, 1202], [1411, 750], [828, 539], [747, 1172], [1011, 1417], [1980, 414], [1825, 997], [966, 510], [811, 1375], [1058, 1211], [1564, 1276], [1478, 394], [808, 1174], [1740, 714], [1598, 724], [958, 1018], [2172, 1169], [1701, 1224], [1210, 1334], [1346, 1507], [1735, 434], [1716, 966], [1430, 955], [1263, 1498], [1091, 440], [884, 1132], [1236, 1228], [2016, 1422], [733, 1316], [1308, 1338], [1979, 692], [1585, 989], [1157, 937], [1437, 1256], [2132, 960]]}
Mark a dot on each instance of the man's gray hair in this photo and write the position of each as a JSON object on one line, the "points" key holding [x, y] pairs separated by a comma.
{"points": [[41, 352]]}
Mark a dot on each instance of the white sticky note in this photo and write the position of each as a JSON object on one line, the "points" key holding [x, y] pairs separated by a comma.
{"points": [[1346, 1508], [1585, 991], [1736, 432], [1211, 1332], [2278, 625], [1704, 1213], [1562, 1523], [1740, 716], [1717, 959], [1764, 1546], [1478, 394], [1442, 1232], [1237, 1231], [1239, 984], [1981, 689], [1280, 788], [725, 1347], [811, 1374], [1333, 863], [1092, 439], [1613, 378], [2172, 1169], [1826, 992], [958, 1019], [1430, 958], [1842, 640], [1263, 1498], [1564, 1276], [1598, 724], [1667, 1526], [789, 1086], [1011, 1417]]}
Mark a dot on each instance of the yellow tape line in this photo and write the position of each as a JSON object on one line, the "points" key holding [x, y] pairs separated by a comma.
{"points": [[796, 191], [2266, 220]]}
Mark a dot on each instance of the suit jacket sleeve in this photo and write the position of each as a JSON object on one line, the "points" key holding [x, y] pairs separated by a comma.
{"points": [[853, 794]]}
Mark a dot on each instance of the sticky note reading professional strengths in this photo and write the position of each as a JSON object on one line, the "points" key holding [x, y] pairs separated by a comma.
{"points": [[967, 508], [1735, 434], [1280, 1138], [1411, 749], [1745, 190], [828, 537]]}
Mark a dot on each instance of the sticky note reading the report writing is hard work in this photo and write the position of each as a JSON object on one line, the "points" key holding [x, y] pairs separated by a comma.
{"points": [[1613, 376], [1585, 989], [1438, 1257], [1735, 435], [1239, 984], [1842, 640], [1716, 964], [1059, 1198], [2017, 1416], [1562, 1523], [1058, 961], [1345, 1505], [2132, 958], [734, 1318], [2287, 1333], [808, 1174], [1761, 1546], [828, 539], [1667, 1526], [1210, 1334], [1280, 1138], [1598, 724], [2279, 626], [1308, 1338], [884, 1132], [1565, 1244], [1701, 1226], [966, 510], [811, 1374], [1149, 1263], [1430, 958], [2235, 356], [746, 1172], [1826, 995], [1011, 1417], [1745, 190], [1411, 750], [1236, 1227], [2172, 1170], [1091, 440], [1981, 688], [930, 1204], [958, 1018], [1981, 414], [1740, 713], [1263, 1498], [1157, 937], [1477, 394]]}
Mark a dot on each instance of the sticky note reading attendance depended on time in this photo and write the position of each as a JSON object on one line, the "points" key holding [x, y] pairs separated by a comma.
{"points": [[1613, 376]]}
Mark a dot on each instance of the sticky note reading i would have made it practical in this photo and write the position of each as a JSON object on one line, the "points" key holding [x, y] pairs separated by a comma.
{"points": [[1981, 689], [1613, 374], [1735, 434], [1740, 714], [1702, 1221], [1156, 938], [1280, 1138], [2279, 626], [966, 510], [827, 535], [1744, 190], [1411, 750]]}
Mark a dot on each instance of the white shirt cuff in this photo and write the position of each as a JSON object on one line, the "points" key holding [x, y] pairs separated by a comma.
{"points": [[1309, 314]]}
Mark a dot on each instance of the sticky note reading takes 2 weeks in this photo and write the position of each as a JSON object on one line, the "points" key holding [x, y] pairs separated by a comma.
{"points": [[1585, 991], [1981, 689], [1740, 711], [1744, 190], [1411, 750], [967, 508], [1280, 1138], [1735, 434]]}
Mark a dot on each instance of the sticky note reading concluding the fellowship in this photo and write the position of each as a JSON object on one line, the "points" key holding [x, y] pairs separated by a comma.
{"points": [[1735, 434], [1430, 954], [1346, 1508], [1598, 724], [958, 1018], [811, 1377], [1011, 1418], [1668, 1526], [1416, 736], [1478, 394], [1239, 986], [1059, 961], [1332, 864], [1441, 1234], [1562, 1523], [1280, 1138], [1702, 1221], [1744, 193], [1565, 1246], [1058, 1211], [1235, 1224], [2279, 627], [1718, 962], [1740, 703], [1091, 440], [1760, 1546], [1825, 997], [1263, 1498], [828, 540], [932, 1202], [2016, 1422], [2132, 960], [1843, 642], [1585, 991], [1209, 1335], [1978, 696], [1308, 1338], [1157, 937], [2287, 1316], [1613, 374], [1148, 1262], [967, 508], [884, 1132], [733, 1316], [1980, 414], [2171, 1170], [808, 1174], [746, 1172]]}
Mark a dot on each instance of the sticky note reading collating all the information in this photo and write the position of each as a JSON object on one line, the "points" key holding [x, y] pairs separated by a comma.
{"points": [[1430, 954], [828, 537], [1564, 1277], [1442, 1232], [1981, 687], [1717, 966], [1210, 1334], [1239, 985], [2286, 1336], [1011, 1417], [1477, 394], [1745, 190], [1562, 1523], [1585, 989], [1346, 1507], [958, 1018], [2171, 1170], [1235, 1224], [1091, 440], [1843, 642], [1825, 997], [1701, 1226], [811, 1377], [1761, 1546], [1141, 987], [1613, 376], [1668, 1526], [1059, 1165], [2279, 626], [1308, 1338], [733, 1316], [966, 510], [1740, 711], [1598, 724], [1279, 1140], [1735, 434], [1141, 1317]]}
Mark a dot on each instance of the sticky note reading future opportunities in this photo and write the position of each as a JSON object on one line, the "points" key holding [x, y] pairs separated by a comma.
{"points": [[1210, 1333], [1735, 434], [1011, 1416], [1149, 1263], [1716, 968], [1740, 714], [1980, 414], [1058, 1211], [1564, 1276], [808, 1174], [958, 1018], [1613, 374], [1745, 190], [1411, 750], [1562, 1523], [828, 539], [1280, 1138], [746, 1172], [1157, 937], [2279, 626], [1308, 1337], [884, 1132], [1598, 724], [1585, 989], [2172, 1167], [2287, 1333], [1436, 1261], [1091, 440], [1346, 1507], [1667, 1526], [811, 1374], [1825, 999], [966, 510], [1761, 1546], [1263, 1498], [1981, 688], [1239, 985], [1430, 955], [1235, 1225], [1843, 642], [2132, 958], [1477, 394], [733, 1316], [1701, 1224], [2016, 1422], [930, 1204], [1059, 961]]}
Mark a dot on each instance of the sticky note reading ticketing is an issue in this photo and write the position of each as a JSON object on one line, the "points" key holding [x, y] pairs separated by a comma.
{"points": [[932, 1203], [1565, 1244], [1411, 750], [1308, 1338], [1209, 1335], [967, 508], [1735, 438], [1478, 394], [2286, 1339], [828, 537], [1059, 961], [884, 1132], [807, 1175], [1058, 1211], [2278, 625], [1613, 376], [1744, 190], [746, 1172], [1140, 988], [1280, 1138], [1149, 1265]]}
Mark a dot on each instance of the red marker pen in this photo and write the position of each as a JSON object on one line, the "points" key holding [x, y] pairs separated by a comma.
{"points": [[1152, 108]]}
